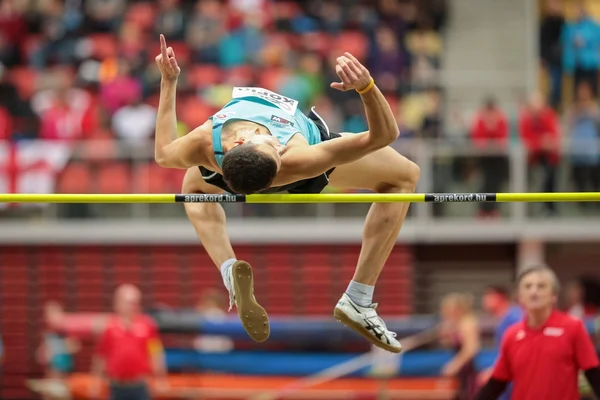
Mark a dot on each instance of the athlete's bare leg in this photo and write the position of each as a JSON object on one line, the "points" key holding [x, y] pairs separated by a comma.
{"points": [[384, 171], [210, 224], [208, 218]]}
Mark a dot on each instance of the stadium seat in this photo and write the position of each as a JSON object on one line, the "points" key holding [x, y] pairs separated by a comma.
{"points": [[75, 178], [273, 77], [114, 178], [353, 42], [104, 45], [201, 76], [194, 112], [240, 76], [150, 178]]}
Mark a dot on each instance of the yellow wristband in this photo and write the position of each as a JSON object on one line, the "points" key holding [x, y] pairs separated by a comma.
{"points": [[369, 87]]}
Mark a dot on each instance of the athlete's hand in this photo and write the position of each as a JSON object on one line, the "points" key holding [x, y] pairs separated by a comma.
{"points": [[353, 74], [169, 70]]}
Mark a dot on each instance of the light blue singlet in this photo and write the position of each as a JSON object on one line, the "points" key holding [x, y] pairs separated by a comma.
{"points": [[279, 114]]}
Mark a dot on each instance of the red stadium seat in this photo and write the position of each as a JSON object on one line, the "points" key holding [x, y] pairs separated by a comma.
{"points": [[114, 178], [149, 178], [272, 78], [104, 45], [74, 179], [194, 112], [240, 75], [353, 42], [201, 76]]}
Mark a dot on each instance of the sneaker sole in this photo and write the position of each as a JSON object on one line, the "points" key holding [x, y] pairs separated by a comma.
{"points": [[358, 328], [253, 316]]}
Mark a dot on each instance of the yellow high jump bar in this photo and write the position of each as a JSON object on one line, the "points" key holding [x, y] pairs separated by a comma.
{"points": [[303, 198]]}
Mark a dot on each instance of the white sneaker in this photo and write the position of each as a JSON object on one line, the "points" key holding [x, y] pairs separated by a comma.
{"points": [[365, 321], [241, 294]]}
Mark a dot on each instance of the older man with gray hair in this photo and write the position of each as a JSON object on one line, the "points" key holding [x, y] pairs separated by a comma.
{"points": [[543, 354]]}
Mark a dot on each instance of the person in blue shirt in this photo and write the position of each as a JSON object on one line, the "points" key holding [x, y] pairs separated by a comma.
{"points": [[261, 142], [496, 301], [581, 49]]}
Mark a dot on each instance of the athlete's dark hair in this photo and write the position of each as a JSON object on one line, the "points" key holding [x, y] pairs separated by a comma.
{"points": [[247, 170]]}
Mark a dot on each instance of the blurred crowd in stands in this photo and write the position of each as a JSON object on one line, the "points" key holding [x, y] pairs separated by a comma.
{"points": [[73, 70], [85, 69]]}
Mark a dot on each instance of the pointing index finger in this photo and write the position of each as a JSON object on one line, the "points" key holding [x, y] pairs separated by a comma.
{"points": [[163, 47]]}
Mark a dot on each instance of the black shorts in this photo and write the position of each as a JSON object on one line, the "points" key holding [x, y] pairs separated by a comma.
{"points": [[305, 186]]}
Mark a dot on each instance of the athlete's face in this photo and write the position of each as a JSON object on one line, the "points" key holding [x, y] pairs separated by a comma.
{"points": [[264, 142], [536, 291]]}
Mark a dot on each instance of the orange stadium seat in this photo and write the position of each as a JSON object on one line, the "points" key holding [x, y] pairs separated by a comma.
{"points": [[114, 178], [75, 178]]}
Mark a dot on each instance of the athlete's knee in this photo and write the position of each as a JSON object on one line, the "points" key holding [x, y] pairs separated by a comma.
{"points": [[404, 177]]}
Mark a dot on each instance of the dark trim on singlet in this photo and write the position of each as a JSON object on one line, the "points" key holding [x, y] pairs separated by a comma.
{"points": [[305, 186]]}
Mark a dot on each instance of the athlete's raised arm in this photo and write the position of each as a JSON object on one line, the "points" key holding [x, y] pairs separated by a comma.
{"points": [[383, 128], [170, 151]]}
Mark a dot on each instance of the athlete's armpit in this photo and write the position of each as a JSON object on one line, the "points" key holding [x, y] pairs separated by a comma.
{"points": [[305, 162], [186, 151]]}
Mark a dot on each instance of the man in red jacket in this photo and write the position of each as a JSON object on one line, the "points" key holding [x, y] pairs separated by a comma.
{"points": [[539, 129], [543, 354], [490, 132]]}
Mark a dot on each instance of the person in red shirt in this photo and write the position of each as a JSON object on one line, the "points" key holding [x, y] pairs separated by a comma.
{"points": [[490, 132], [539, 129], [543, 354], [129, 349]]}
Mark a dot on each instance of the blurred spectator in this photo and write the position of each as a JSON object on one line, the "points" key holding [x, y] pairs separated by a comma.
{"points": [[129, 349], [425, 48], [538, 126], [551, 53], [17, 119], [583, 297], [583, 127], [460, 330], [212, 307], [581, 48], [169, 20], [135, 122], [489, 131], [61, 118], [13, 32], [60, 21], [496, 302], [204, 31], [119, 90], [103, 15], [387, 61], [55, 352]]}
